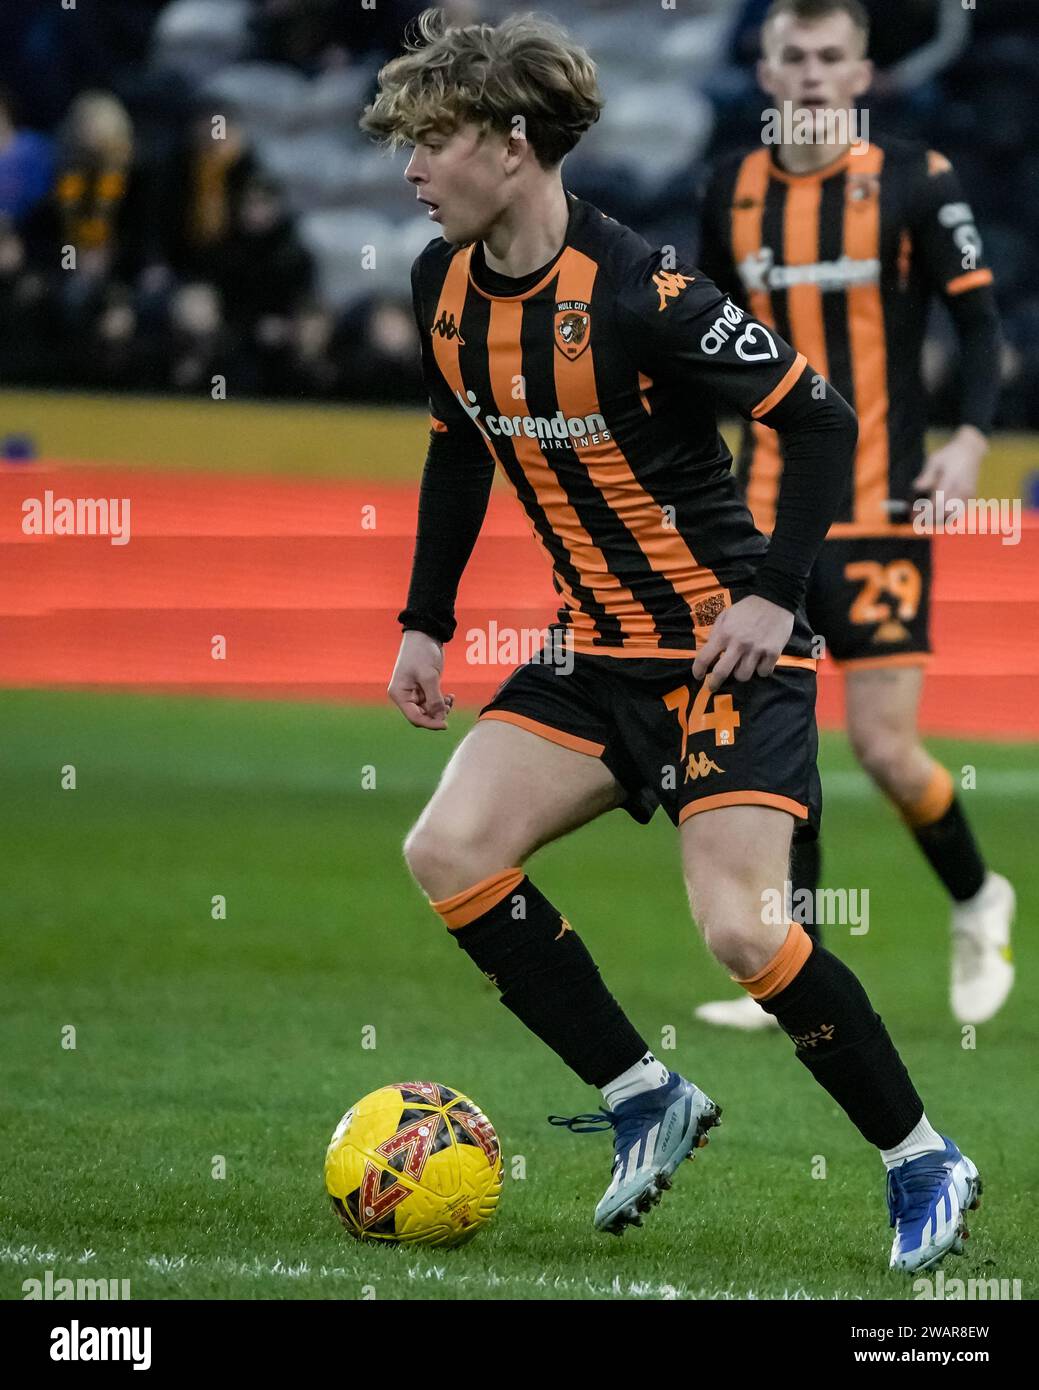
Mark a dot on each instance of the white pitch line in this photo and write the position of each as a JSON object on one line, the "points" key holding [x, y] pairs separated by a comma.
{"points": [[440, 1274]]}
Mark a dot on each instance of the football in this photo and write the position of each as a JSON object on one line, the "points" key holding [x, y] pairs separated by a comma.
{"points": [[414, 1163]]}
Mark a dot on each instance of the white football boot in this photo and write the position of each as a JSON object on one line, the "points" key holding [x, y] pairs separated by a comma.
{"points": [[982, 963], [745, 1013]]}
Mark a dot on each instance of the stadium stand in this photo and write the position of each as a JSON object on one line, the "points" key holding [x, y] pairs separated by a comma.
{"points": [[249, 249]]}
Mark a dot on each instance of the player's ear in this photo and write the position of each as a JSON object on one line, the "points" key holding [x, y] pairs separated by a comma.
{"points": [[516, 143], [764, 76], [864, 79]]}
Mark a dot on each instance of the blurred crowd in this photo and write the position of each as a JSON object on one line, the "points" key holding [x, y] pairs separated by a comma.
{"points": [[184, 193]]}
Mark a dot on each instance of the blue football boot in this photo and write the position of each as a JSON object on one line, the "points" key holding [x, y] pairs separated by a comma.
{"points": [[927, 1197], [653, 1133]]}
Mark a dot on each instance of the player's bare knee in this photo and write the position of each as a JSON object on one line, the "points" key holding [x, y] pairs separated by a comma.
{"points": [[735, 911], [420, 854], [445, 859], [437, 859], [742, 948], [886, 755]]}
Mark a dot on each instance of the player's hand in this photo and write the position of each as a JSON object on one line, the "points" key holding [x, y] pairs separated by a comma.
{"points": [[415, 684], [746, 640], [953, 469]]}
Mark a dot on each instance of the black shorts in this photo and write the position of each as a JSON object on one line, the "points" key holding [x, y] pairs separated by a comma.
{"points": [[668, 741], [870, 599]]}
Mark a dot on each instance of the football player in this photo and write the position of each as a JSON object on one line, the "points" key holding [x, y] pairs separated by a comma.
{"points": [[562, 349], [840, 244]]}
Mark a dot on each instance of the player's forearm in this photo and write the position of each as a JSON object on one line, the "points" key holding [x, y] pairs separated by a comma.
{"points": [[977, 328], [456, 484], [817, 438]]}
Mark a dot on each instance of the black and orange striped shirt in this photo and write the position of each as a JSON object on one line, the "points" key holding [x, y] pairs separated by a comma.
{"points": [[594, 390], [843, 263]]}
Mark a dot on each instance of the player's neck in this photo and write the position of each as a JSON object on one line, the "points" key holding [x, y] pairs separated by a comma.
{"points": [[529, 233], [808, 159]]}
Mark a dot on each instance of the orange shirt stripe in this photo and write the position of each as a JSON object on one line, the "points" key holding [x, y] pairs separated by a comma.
{"points": [[663, 546], [504, 353], [748, 209], [868, 351], [801, 247], [452, 301]]}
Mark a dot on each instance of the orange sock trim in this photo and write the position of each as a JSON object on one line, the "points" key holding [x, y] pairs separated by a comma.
{"points": [[473, 902], [933, 804], [784, 966]]}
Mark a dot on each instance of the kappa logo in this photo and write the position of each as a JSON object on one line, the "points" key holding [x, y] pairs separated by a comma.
{"points": [[573, 326], [700, 765], [564, 925], [446, 327], [670, 285]]}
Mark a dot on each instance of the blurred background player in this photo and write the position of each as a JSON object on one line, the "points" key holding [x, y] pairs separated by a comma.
{"points": [[841, 244]]}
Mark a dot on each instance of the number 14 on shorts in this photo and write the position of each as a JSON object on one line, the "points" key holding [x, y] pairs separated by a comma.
{"points": [[700, 717]]}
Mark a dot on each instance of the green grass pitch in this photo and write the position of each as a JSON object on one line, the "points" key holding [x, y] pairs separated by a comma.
{"points": [[242, 1038]]}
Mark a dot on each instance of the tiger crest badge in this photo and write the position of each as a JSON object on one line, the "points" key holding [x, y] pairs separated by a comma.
{"points": [[573, 325]]}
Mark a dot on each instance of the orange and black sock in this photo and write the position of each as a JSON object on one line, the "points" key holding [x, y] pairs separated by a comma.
{"points": [[940, 829], [528, 949], [825, 1011]]}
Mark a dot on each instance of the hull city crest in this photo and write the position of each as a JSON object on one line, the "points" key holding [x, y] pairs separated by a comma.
{"points": [[573, 327]]}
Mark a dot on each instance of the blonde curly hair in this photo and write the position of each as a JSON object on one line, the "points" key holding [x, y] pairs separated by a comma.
{"points": [[447, 76]]}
